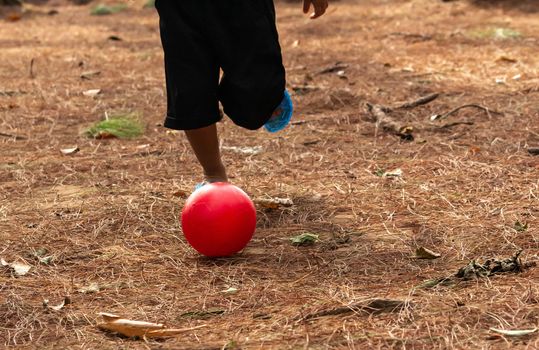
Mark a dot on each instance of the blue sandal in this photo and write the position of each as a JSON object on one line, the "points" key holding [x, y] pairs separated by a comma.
{"points": [[280, 121]]}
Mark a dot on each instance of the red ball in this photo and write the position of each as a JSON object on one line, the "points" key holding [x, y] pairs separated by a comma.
{"points": [[218, 219]]}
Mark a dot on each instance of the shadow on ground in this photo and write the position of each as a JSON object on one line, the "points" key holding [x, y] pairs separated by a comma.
{"points": [[531, 6]]}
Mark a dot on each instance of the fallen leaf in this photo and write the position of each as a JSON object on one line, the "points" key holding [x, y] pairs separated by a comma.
{"points": [[309, 143], [344, 218], [505, 33], [304, 239], [424, 253], [131, 328], [335, 68], [441, 281], [66, 301], [393, 173], [41, 255], [103, 135], [40, 251], [68, 151], [102, 10], [499, 33], [90, 74], [274, 203], [230, 290], [408, 69], [95, 287], [19, 268], [251, 151], [127, 327], [181, 193], [474, 270], [520, 227], [514, 333], [91, 92], [13, 17], [91, 288], [405, 132], [475, 149], [316, 197], [507, 59], [46, 260]]}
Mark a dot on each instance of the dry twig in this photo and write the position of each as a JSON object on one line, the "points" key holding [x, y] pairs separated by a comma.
{"points": [[12, 136], [455, 110], [420, 101], [383, 120], [32, 74]]}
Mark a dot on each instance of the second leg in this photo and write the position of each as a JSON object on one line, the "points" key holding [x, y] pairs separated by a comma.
{"points": [[205, 144]]}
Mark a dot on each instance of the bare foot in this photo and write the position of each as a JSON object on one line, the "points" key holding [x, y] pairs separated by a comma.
{"points": [[205, 144]]}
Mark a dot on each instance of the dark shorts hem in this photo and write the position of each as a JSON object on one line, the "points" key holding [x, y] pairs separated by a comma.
{"points": [[181, 124]]}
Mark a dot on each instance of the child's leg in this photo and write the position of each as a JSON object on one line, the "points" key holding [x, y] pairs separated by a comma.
{"points": [[205, 144], [247, 43], [192, 76]]}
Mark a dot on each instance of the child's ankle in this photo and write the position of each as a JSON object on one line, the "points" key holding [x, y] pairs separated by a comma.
{"points": [[216, 175], [212, 179]]}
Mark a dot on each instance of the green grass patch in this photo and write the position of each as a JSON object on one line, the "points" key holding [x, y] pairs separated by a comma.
{"points": [[102, 10], [126, 126], [497, 33]]}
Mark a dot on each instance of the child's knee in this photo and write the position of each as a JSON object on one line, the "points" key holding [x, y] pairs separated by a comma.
{"points": [[251, 108]]}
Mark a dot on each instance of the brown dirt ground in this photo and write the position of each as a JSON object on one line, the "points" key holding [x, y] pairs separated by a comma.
{"points": [[109, 214]]}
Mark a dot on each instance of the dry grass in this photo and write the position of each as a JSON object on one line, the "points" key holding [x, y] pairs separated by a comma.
{"points": [[109, 214]]}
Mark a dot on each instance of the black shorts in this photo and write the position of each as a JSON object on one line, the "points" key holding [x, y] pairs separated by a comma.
{"points": [[202, 37]]}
